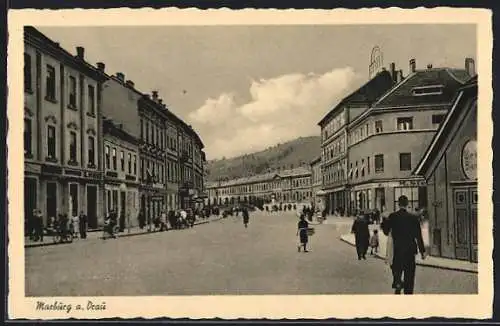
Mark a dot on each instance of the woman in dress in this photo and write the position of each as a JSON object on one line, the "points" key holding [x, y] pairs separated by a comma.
{"points": [[302, 228]]}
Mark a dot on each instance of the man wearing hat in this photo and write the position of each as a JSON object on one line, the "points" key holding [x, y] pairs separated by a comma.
{"points": [[404, 228]]}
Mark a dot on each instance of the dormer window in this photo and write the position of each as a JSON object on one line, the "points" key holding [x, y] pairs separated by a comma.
{"points": [[427, 90]]}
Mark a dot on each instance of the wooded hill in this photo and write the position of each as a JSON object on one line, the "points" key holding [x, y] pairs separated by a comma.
{"points": [[292, 154]]}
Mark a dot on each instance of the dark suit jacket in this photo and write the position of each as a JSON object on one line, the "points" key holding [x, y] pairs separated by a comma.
{"points": [[406, 233]]}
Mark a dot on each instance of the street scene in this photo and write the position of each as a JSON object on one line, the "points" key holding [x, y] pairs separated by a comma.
{"points": [[234, 161], [224, 257]]}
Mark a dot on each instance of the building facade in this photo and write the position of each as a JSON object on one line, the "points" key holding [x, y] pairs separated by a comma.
{"points": [[62, 131], [335, 137], [389, 138], [285, 187], [449, 166], [121, 174]]}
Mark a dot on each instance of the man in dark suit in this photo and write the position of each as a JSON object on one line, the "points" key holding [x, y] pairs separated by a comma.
{"points": [[407, 238]]}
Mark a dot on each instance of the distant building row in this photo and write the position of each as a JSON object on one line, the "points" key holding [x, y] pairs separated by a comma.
{"points": [[94, 143], [287, 186]]}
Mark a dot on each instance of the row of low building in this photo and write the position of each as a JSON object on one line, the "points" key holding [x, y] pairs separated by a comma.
{"points": [[279, 187], [93, 143]]}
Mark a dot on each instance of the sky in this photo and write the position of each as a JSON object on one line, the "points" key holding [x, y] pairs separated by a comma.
{"points": [[245, 88]]}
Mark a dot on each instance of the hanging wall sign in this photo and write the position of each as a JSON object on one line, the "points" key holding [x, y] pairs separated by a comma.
{"points": [[469, 160]]}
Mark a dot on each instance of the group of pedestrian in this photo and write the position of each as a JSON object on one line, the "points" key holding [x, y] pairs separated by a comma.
{"points": [[404, 242], [76, 225]]}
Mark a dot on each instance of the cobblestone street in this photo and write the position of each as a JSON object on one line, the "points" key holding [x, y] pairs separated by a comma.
{"points": [[222, 258]]}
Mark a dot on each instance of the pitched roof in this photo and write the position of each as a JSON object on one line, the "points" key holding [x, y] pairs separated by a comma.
{"points": [[294, 172], [366, 94], [402, 93], [442, 137]]}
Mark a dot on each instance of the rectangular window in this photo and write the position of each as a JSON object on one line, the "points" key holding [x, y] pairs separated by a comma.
{"points": [[72, 91], [404, 161], [106, 151], [437, 119], [129, 162], [50, 83], [135, 165], [368, 164], [73, 198], [379, 163], [122, 160], [378, 126], [114, 158], [362, 167], [147, 132], [142, 169], [427, 90], [367, 130], [27, 73], [51, 142], [91, 151], [27, 137], [91, 99], [72, 146], [405, 123]]}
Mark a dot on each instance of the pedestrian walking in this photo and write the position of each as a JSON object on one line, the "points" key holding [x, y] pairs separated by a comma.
{"points": [[302, 229], [361, 235], [246, 216], [75, 222], [406, 233], [38, 225], [374, 243], [82, 219]]}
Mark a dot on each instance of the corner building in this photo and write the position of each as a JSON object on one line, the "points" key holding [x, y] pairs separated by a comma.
{"points": [[387, 140], [335, 137], [63, 164]]}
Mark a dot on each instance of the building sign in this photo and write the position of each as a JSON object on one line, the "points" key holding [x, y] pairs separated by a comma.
{"points": [[94, 175], [376, 61], [469, 160], [51, 169], [33, 168], [72, 172]]}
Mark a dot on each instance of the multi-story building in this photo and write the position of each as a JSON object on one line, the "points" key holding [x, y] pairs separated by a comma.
{"points": [[283, 187], [121, 179], [388, 138], [449, 166], [317, 194], [153, 156], [334, 139], [62, 131]]}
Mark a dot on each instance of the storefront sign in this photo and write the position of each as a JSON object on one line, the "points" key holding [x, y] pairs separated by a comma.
{"points": [[51, 169], [93, 175], [469, 160], [33, 168], [72, 172]]}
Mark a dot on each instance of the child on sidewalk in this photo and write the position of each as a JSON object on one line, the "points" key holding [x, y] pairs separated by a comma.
{"points": [[374, 242]]}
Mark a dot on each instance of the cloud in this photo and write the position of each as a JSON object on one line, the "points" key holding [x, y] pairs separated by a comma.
{"points": [[280, 109]]}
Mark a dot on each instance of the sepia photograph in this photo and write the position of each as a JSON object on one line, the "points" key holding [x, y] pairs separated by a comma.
{"points": [[248, 160]]}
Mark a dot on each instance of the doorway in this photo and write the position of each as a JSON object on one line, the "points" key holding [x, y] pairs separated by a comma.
{"points": [[51, 200], [30, 199], [465, 213], [92, 206], [122, 210]]}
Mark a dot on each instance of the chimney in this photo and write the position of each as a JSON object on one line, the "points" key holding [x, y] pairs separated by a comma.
{"points": [[120, 76], [413, 65], [80, 52], [101, 66], [160, 101], [399, 76], [470, 67], [429, 66], [393, 71], [130, 83], [155, 95]]}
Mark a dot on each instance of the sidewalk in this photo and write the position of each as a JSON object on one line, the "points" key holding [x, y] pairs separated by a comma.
{"points": [[430, 261], [97, 234]]}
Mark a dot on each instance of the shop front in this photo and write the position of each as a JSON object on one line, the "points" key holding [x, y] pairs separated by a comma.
{"points": [[450, 168]]}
